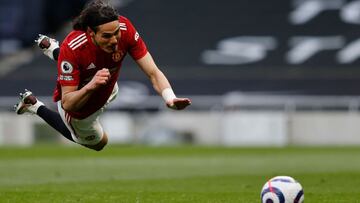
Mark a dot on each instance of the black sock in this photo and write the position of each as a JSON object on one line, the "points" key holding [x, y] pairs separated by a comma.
{"points": [[54, 120], [56, 53]]}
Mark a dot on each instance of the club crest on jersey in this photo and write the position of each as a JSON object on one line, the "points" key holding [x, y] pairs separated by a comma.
{"points": [[117, 56], [66, 67]]}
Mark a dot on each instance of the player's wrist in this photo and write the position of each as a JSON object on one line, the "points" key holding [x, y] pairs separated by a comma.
{"points": [[168, 95], [89, 87]]}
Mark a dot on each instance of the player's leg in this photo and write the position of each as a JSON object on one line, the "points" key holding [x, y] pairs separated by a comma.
{"points": [[49, 46], [30, 104], [88, 131]]}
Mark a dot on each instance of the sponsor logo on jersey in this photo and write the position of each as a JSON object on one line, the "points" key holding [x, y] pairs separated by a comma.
{"points": [[66, 67], [66, 77]]}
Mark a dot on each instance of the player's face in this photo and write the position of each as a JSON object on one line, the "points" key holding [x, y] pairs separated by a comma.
{"points": [[107, 36]]}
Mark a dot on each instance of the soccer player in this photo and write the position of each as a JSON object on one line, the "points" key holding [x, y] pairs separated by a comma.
{"points": [[89, 62]]}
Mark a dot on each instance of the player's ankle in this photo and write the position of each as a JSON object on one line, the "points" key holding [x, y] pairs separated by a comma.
{"points": [[34, 108]]}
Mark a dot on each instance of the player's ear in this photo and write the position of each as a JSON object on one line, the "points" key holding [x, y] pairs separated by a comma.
{"points": [[90, 32]]}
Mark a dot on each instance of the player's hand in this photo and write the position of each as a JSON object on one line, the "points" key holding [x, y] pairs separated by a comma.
{"points": [[101, 78], [179, 103]]}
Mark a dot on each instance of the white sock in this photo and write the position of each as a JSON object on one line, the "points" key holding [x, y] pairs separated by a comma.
{"points": [[35, 107], [49, 51]]}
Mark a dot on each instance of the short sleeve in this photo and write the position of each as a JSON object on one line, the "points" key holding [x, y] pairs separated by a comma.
{"points": [[137, 47], [68, 68]]}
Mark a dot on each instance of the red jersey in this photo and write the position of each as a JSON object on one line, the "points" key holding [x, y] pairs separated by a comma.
{"points": [[80, 59]]}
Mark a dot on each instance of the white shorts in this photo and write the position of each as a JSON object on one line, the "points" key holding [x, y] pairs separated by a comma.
{"points": [[86, 131]]}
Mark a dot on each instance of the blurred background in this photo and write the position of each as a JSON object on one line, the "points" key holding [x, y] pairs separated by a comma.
{"points": [[259, 73]]}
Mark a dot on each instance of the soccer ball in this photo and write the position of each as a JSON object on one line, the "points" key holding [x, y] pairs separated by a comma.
{"points": [[282, 189]]}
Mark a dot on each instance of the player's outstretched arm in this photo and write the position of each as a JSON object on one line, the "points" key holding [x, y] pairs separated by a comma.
{"points": [[173, 102], [49, 46], [161, 83]]}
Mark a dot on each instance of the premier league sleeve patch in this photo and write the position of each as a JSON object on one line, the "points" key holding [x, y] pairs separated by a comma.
{"points": [[66, 67]]}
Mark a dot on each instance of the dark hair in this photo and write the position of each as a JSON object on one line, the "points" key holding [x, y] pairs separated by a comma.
{"points": [[95, 13]]}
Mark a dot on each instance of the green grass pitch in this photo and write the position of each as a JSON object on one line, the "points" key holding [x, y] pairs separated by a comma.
{"points": [[138, 174]]}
